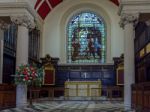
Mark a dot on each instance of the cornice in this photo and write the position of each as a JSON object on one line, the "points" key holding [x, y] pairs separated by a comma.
{"points": [[133, 2], [22, 7], [137, 6]]}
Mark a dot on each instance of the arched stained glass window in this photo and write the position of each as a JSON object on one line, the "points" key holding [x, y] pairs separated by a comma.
{"points": [[86, 39]]}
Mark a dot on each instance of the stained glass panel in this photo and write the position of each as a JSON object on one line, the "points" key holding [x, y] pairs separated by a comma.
{"points": [[86, 39]]}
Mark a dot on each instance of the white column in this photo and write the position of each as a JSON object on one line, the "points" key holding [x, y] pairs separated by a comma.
{"points": [[22, 45], [22, 58], [1, 54], [128, 63], [127, 22], [23, 22]]}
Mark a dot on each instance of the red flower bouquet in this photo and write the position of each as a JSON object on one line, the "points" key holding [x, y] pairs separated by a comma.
{"points": [[27, 74]]}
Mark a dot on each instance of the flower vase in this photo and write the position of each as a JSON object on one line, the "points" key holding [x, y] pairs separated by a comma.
{"points": [[21, 95]]}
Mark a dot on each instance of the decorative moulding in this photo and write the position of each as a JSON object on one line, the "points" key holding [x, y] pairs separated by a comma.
{"points": [[20, 8], [134, 6]]}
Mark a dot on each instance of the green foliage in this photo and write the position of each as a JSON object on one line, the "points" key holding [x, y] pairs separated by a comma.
{"points": [[29, 75]]}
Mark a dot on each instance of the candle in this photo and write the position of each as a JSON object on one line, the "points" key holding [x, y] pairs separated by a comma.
{"points": [[85, 74]]}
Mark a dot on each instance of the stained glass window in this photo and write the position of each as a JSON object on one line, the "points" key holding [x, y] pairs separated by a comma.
{"points": [[86, 39]]}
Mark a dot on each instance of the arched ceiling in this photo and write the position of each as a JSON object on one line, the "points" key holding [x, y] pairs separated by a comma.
{"points": [[44, 7]]}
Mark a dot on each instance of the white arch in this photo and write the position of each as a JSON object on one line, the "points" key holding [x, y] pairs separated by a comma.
{"points": [[54, 28], [77, 9]]}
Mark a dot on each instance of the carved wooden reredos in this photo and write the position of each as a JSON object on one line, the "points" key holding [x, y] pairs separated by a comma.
{"points": [[49, 65]]}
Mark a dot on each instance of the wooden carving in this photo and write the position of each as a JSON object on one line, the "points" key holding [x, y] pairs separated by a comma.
{"points": [[120, 76], [119, 68], [49, 71]]}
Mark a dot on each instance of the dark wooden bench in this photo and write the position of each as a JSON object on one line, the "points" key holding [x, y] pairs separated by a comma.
{"points": [[7, 96], [36, 92]]}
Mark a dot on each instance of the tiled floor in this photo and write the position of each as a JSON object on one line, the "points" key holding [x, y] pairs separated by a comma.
{"points": [[72, 106]]}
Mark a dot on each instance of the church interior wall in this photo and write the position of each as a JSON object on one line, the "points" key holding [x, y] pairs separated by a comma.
{"points": [[54, 39]]}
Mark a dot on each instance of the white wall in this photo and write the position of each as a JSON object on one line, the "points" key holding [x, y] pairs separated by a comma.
{"points": [[54, 37], [31, 2]]}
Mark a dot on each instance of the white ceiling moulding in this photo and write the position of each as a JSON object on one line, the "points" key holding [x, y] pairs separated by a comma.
{"points": [[20, 8], [134, 6]]}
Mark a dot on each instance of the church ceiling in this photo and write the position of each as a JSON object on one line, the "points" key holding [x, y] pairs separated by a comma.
{"points": [[44, 7]]}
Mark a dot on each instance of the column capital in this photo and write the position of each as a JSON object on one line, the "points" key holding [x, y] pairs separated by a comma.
{"points": [[3, 25], [127, 18], [148, 22], [23, 20]]}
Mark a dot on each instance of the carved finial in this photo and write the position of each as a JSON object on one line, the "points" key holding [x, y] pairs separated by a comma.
{"points": [[48, 58]]}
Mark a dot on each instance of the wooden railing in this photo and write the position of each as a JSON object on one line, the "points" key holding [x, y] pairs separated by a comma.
{"points": [[35, 93], [113, 92], [141, 97]]}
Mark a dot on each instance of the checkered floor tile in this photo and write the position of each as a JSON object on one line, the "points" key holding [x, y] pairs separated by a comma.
{"points": [[72, 106]]}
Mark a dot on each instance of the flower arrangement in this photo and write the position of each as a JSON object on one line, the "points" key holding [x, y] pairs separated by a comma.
{"points": [[29, 75]]}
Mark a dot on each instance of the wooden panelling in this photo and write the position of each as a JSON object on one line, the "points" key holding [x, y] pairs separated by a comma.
{"points": [[147, 99], [7, 96], [10, 39], [9, 56], [105, 73], [141, 90], [142, 52], [148, 48], [8, 68], [141, 97], [113, 91], [134, 99], [119, 69], [34, 45]]}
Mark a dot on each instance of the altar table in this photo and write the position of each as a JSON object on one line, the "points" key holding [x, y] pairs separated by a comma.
{"points": [[82, 88]]}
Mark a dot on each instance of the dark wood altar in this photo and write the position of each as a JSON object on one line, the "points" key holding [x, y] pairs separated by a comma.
{"points": [[60, 73]]}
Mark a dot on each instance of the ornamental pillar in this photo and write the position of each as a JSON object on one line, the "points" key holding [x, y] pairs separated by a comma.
{"points": [[127, 22], [24, 23]]}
